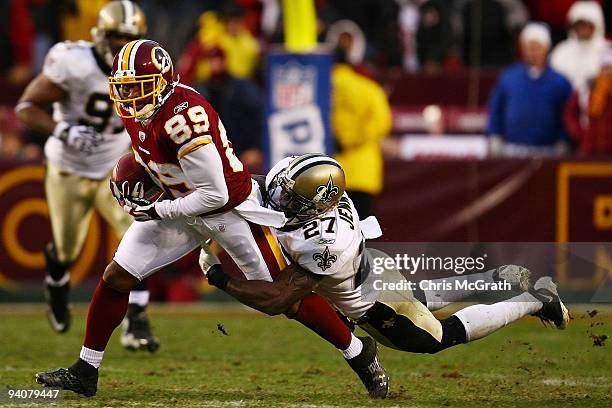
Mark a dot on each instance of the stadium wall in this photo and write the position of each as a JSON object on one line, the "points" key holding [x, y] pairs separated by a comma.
{"points": [[423, 201]]}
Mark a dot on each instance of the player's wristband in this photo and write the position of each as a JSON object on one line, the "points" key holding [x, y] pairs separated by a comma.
{"points": [[217, 277]]}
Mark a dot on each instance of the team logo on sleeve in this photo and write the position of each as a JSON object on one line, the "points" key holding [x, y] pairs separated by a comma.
{"points": [[327, 192], [325, 259]]}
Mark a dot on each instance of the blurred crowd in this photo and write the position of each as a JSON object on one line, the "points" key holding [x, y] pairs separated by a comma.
{"points": [[552, 93]]}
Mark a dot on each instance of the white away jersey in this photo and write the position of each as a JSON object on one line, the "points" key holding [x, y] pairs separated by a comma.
{"points": [[74, 67], [331, 246]]}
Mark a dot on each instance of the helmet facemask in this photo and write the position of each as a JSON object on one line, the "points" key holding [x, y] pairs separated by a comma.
{"points": [[134, 96]]}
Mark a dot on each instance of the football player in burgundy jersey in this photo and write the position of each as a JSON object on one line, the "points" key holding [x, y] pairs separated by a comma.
{"points": [[180, 140]]}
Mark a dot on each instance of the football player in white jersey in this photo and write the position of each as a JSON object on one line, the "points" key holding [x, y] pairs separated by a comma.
{"points": [[86, 140], [325, 238]]}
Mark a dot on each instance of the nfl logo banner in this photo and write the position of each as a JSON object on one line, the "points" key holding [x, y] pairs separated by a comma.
{"points": [[297, 105]]}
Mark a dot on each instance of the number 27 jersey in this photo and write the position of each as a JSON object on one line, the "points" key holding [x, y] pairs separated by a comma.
{"points": [[332, 247], [184, 123]]}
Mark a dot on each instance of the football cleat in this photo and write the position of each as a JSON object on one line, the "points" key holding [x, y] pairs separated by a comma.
{"points": [[553, 310], [72, 379], [136, 334], [518, 276], [58, 313], [369, 369]]}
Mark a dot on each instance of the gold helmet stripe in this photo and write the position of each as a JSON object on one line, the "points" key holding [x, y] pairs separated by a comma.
{"points": [[133, 54], [124, 57], [307, 161]]}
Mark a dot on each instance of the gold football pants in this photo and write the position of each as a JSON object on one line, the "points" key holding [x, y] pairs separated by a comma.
{"points": [[71, 199]]}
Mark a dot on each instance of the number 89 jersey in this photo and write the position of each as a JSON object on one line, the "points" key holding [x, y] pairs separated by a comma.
{"points": [[83, 75], [184, 123]]}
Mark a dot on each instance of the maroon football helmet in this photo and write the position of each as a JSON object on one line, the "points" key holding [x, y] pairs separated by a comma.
{"points": [[141, 80]]}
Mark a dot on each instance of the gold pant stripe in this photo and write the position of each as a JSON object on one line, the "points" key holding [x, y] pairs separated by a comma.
{"points": [[280, 259]]}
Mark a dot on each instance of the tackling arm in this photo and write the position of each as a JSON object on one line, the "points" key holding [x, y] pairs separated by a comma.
{"points": [[272, 298], [31, 109]]}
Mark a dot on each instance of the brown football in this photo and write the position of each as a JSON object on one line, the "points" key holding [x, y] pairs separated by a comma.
{"points": [[129, 170]]}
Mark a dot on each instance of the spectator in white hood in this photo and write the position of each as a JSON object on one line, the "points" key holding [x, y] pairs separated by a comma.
{"points": [[579, 57]]}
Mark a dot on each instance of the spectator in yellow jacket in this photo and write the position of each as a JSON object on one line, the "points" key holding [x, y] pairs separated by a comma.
{"points": [[360, 119], [78, 26], [225, 31]]}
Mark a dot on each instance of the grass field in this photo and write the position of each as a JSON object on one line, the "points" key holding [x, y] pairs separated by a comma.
{"points": [[273, 362]]}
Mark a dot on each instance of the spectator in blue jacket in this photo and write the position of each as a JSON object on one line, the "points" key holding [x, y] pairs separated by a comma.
{"points": [[526, 105]]}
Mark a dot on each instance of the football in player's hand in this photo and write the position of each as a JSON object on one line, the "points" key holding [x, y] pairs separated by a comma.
{"points": [[131, 181]]}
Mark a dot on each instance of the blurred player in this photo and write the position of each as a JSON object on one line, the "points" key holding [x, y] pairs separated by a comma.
{"points": [[323, 235], [86, 141], [180, 140]]}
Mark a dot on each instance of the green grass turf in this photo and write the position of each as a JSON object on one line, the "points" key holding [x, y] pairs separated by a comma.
{"points": [[274, 362]]}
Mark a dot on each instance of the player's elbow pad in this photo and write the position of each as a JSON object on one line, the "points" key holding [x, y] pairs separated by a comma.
{"points": [[222, 197], [214, 199]]}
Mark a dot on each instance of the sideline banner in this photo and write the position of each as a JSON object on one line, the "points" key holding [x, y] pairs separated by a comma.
{"points": [[297, 105]]}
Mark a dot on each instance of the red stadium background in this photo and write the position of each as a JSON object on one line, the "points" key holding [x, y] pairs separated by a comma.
{"points": [[423, 201]]}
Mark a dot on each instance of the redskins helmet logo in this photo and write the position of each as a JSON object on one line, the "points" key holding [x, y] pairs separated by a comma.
{"points": [[161, 59]]}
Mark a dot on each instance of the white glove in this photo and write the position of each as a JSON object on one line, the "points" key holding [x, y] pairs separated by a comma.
{"points": [[207, 258], [133, 202], [81, 137], [141, 212]]}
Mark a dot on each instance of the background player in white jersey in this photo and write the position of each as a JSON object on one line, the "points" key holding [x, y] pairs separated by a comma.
{"points": [[87, 138], [325, 238]]}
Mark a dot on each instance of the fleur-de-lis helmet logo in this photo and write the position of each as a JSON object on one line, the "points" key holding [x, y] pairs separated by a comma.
{"points": [[325, 193], [325, 259]]}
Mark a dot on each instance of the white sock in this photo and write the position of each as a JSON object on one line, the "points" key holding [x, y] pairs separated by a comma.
{"points": [[481, 320], [93, 357], [437, 299], [353, 349], [139, 297]]}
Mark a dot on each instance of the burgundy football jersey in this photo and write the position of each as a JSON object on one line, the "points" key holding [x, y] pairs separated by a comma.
{"points": [[185, 122]]}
